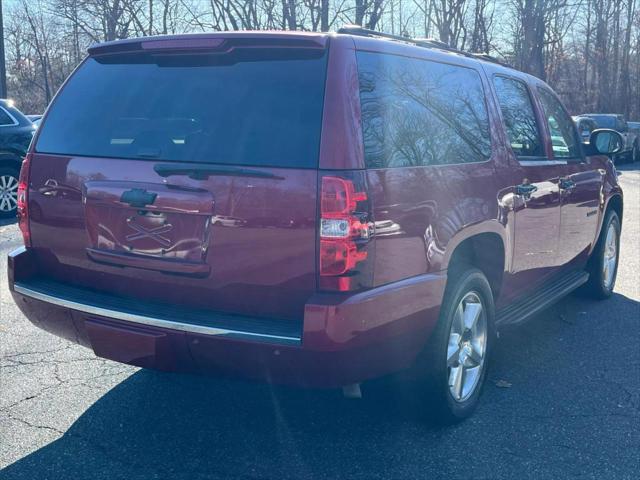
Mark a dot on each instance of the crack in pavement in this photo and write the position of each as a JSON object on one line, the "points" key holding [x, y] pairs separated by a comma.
{"points": [[33, 425]]}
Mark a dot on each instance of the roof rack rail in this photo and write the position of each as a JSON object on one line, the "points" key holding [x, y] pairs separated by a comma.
{"points": [[420, 42], [489, 58], [435, 42]]}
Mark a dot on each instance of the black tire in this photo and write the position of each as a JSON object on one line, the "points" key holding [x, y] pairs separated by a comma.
{"points": [[8, 210], [597, 287], [443, 407]]}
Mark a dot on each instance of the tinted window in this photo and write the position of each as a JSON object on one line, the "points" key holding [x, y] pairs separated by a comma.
{"points": [[605, 121], [417, 112], [564, 140], [586, 125], [519, 118], [5, 119], [249, 108]]}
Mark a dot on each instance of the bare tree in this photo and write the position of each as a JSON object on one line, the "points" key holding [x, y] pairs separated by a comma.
{"points": [[588, 50], [449, 18], [482, 22]]}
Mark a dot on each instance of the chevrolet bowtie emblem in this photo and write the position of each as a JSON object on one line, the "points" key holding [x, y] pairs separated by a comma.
{"points": [[152, 233]]}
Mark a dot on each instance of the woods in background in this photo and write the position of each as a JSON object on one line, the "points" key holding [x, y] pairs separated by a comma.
{"points": [[587, 50]]}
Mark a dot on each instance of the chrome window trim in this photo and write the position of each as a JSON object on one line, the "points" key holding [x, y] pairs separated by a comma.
{"points": [[534, 163], [154, 321], [15, 121]]}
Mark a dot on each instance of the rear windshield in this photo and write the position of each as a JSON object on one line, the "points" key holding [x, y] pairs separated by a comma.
{"points": [[253, 107]]}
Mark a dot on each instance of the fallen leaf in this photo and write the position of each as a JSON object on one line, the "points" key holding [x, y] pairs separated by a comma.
{"points": [[502, 384]]}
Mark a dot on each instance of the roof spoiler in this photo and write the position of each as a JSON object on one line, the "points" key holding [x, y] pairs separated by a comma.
{"points": [[221, 42]]}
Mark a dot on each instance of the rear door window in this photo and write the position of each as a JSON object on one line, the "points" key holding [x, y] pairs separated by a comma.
{"points": [[519, 118], [254, 107], [418, 112]]}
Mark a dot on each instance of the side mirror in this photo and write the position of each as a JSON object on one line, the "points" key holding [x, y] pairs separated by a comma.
{"points": [[605, 141]]}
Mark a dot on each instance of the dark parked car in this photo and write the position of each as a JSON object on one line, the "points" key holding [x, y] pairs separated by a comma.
{"points": [[16, 132], [634, 130], [631, 140], [443, 210], [35, 119]]}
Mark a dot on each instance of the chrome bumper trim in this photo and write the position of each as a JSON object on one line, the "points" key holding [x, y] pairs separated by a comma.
{"points": [[157, 322], [14, 253]]}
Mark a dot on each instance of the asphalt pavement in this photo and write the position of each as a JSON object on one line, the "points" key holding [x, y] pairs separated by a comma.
{"points": [[562, 401]]}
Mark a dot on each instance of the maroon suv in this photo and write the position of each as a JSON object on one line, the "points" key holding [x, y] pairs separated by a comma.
{"points": [[312, 209]]}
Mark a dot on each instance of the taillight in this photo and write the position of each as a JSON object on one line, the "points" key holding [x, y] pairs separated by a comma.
{"points": [[344, 233], [23, 201]]}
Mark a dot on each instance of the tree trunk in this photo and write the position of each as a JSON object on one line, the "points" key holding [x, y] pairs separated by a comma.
{"points": [[534, 30], [324, 15]]}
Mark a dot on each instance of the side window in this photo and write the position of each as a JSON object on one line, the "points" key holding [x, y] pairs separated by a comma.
{"points": [[564, 140], [5, 118], [590, 126], [418, 112], [519, 117]]}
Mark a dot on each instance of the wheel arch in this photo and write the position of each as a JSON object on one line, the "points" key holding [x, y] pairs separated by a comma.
{"points": [[484, 250], [616, 204]]}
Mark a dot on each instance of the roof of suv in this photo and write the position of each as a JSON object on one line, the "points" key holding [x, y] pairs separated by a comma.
{"points": [[438, 53], [383, 42]]}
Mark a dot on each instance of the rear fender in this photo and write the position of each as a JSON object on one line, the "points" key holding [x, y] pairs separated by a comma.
{"points": [[488, 226]]}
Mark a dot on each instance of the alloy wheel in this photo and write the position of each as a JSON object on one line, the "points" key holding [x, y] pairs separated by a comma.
{"points": [[610, 256], [8, 193], [467, 346]]}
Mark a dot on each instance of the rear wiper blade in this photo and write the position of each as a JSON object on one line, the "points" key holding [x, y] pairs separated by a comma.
{"points": [[200, 171]]}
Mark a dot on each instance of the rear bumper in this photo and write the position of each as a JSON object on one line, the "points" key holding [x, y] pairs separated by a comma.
{"points": [[341, 339]]}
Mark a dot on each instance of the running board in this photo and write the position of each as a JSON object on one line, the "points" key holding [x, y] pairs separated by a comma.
{"points": [[522, 310]]}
